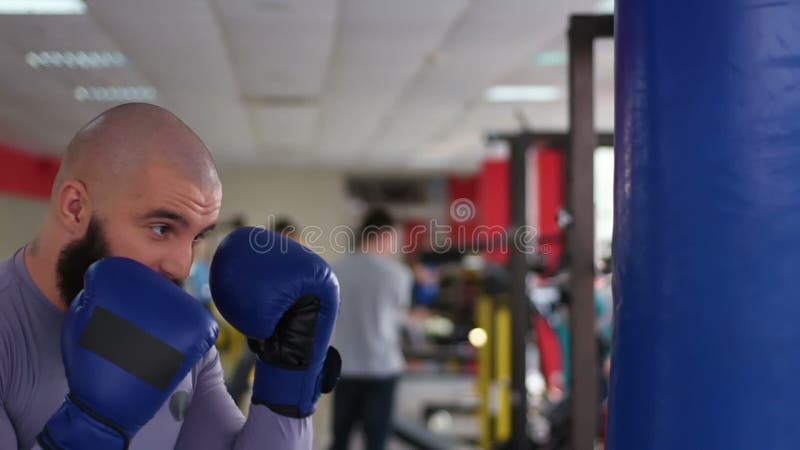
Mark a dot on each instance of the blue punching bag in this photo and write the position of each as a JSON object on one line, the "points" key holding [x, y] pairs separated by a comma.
{"points": [[706, 351]]}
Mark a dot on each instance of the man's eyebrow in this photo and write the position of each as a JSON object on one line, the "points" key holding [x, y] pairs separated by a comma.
{"points": [[167, 214]]}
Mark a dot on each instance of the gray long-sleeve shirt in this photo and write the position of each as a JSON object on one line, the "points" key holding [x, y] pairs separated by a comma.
{"points": [[199, 415]]}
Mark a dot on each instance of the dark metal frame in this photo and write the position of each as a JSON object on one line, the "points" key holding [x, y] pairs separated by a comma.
{"points": [[519, 307], [579, 145], [520, 144], [558, 140], [579, 237]]}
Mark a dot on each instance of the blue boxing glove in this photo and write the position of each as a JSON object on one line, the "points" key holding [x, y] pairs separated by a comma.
{"points": [[127, 340], [284, 298]]}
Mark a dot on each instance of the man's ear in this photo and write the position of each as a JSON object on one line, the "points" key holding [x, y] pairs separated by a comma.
{"points": [[74, 207]]}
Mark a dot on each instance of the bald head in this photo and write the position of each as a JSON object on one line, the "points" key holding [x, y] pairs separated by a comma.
{"points": [[118, 147], [134, 182]]}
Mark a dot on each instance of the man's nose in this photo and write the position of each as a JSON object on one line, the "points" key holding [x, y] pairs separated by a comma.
{"points": [[178, 264]]}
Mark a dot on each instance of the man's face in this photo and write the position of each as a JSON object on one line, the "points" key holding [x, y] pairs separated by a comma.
{"points": [[156, 221]]}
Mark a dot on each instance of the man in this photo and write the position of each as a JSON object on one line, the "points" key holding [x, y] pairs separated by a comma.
{"points": [[135, 182], [376, 292]]}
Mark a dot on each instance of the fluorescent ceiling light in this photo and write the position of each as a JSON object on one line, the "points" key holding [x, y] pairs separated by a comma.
{"points": [[550, 58], [75, 60], [115, 93], [523, 93], [51, 7], [605, 6]]}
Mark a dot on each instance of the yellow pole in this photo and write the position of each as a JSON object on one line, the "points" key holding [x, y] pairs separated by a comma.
{"points": [[502, 348], [484, 320]]}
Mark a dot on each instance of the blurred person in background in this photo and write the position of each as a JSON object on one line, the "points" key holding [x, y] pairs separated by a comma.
{"points": [[376, 293]]}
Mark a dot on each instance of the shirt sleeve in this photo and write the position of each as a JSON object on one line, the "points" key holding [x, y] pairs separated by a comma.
{"points": [[213, 421], [8, 437], [265, 429]]}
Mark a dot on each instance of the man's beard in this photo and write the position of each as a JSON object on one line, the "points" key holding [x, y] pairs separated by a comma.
{"points": [[76, 257]]}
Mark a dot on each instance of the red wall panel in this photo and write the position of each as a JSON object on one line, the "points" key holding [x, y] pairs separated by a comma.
{"points": [[25, 174]]}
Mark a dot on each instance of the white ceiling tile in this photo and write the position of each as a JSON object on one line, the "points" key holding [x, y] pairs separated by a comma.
{"points": [[279, 48], [177, 43], [179, 47], [281, 127], [381, 47], [489, 42]]}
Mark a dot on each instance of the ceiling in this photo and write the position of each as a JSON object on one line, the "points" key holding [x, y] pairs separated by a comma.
{"points": [[363, 85]]}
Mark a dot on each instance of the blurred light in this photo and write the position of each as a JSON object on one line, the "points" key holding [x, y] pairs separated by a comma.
{"points": [[438, 326], [473, 262], [440, 422], [49, 7], [526, 93], [477, 337], [539, 429], [75, 60], [605, 6], [115, 93], [535, 384], [550, 58]]}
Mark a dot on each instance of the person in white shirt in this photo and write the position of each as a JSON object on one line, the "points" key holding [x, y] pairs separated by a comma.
{"points": [[375, 296]]}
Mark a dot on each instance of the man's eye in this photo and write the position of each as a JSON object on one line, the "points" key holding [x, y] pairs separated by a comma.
{"points": [[160, 230], [199, 237]]}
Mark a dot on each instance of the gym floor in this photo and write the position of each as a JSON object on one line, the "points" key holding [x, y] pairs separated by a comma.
{"points": [[413, 395]]}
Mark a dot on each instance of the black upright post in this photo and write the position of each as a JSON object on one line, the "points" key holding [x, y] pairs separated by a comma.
{"points": [[520, 309], [579, 203]]}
